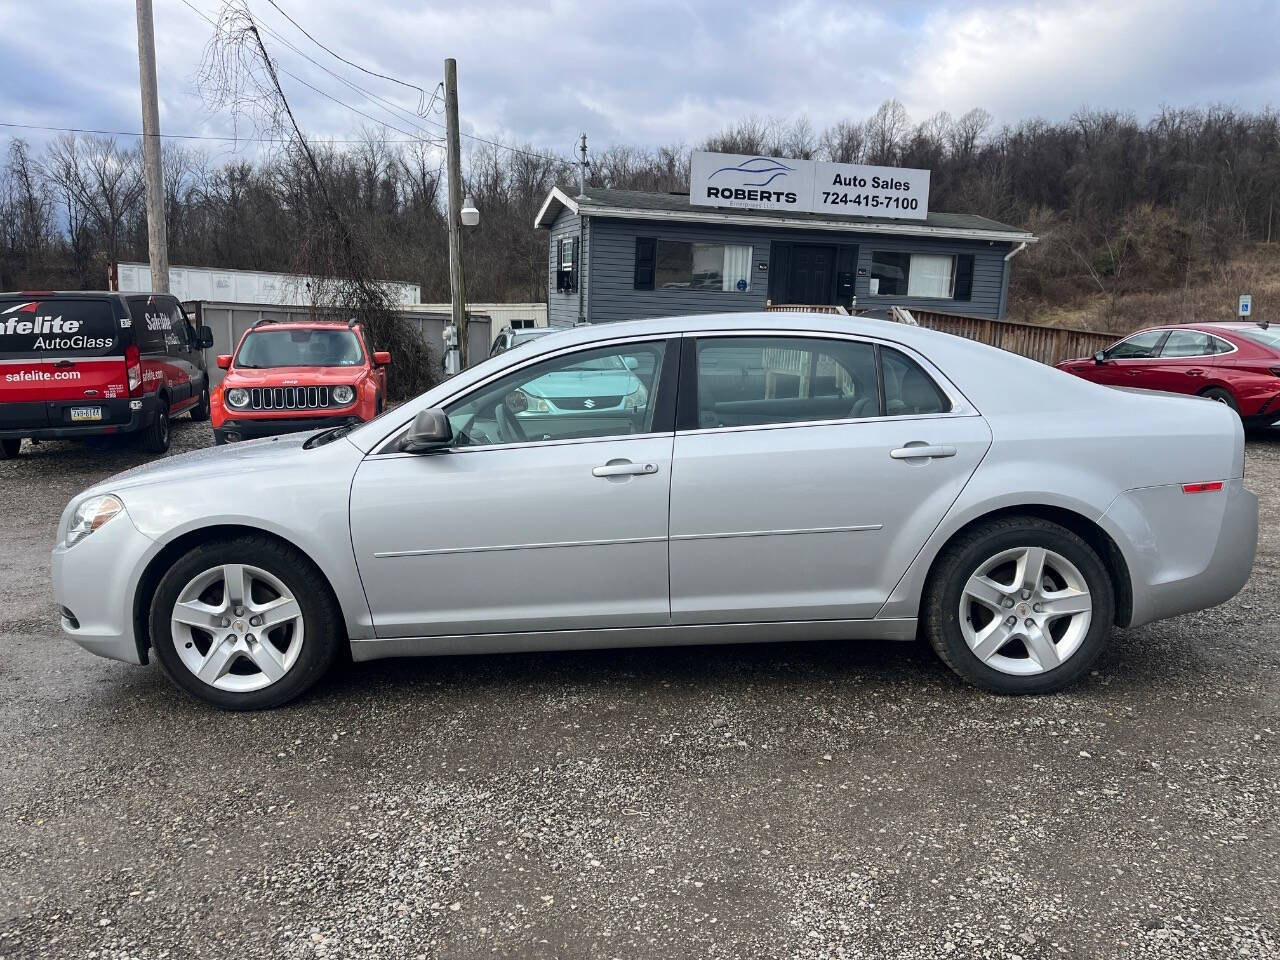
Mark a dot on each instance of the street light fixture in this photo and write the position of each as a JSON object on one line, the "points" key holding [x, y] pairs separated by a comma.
{"points": [[469, 214]]}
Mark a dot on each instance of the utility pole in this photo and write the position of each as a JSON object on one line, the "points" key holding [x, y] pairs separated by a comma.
{"points": [[582, 232], [582, 166], [157, 233], [456, 281]]}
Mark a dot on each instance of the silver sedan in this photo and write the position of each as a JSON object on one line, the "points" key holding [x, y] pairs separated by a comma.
{"points": [[781, 476]]}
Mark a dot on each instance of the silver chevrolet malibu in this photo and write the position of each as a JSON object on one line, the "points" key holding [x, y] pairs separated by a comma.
{"points": [[778, 477]]}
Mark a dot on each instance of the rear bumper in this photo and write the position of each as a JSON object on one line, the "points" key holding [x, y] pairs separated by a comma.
{"points": [[248, 428], [1185, 558], [123, 415]]}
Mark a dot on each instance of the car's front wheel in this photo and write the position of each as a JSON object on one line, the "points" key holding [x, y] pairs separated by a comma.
{"points": [[245, 624], [1019, 605]]}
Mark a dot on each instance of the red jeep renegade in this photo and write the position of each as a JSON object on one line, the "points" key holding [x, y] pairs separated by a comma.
{"points": [[85, 364], [298, 375]]}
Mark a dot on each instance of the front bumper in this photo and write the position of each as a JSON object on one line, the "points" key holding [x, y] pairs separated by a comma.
{"points": [[94, 583], [1186, 551], [248, 428], [122, 416]]}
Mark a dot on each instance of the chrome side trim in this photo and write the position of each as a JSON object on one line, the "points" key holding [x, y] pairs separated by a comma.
{"points": [[613, 637], [857, 528], [486, 448], [497, 548]]}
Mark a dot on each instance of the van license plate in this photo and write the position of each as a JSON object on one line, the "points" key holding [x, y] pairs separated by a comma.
{"points": [[81, 414]]}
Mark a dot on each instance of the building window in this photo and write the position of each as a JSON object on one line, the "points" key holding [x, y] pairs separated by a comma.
{"points": [[567, 265], [679, 265], [931, 275]]}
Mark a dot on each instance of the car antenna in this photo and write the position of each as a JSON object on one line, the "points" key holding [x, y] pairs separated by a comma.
{"points": [[1264, 323]]}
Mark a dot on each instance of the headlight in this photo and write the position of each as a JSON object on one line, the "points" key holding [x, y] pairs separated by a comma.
{"points": [[534, 404], [636, 400], [237, 397], [90, 515], [343, 395]]}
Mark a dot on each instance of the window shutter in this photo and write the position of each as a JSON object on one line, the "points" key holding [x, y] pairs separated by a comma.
{"points": [[555, 266], [575, 255], [646, 253], [964, 277]]}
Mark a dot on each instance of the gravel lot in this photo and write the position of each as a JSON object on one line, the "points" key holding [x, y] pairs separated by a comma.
{"points": [[824, 800]]}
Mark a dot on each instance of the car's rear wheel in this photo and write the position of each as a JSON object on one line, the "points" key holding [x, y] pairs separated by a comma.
{"points": [[1218, 395], [10, 448], [1019, 605], [155, 438], [200, 412], [244, 624]]}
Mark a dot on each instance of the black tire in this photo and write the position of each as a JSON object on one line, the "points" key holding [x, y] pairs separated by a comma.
{"points": [[940, 614], [323, 633], [9, 449], [155, 438], [1219, 395], [200, 412]]}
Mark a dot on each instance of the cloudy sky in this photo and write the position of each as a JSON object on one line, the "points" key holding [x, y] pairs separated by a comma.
{"points": [[647, 72]]}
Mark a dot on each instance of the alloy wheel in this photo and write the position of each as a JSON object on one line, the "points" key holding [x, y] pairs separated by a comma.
{"points": [[1025, 611], [237, 627]]}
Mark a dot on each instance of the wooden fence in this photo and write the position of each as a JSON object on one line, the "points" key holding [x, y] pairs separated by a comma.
{"points": [[1046, 344]]}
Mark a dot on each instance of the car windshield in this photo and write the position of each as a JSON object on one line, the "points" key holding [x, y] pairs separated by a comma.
{"points": [[1268, 337], [300, 348]]}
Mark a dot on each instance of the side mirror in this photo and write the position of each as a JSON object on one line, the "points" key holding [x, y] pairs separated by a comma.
{"points": [[430, 431], [381, 358], [1100, 357], [224, 361], [204, 337]]}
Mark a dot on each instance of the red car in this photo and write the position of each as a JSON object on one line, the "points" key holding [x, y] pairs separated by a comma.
{"points": [[301, 375], [1234, 363]]}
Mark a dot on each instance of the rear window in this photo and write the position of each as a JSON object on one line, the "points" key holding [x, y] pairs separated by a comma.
{"points": [[85, 328], [1267, 336]]}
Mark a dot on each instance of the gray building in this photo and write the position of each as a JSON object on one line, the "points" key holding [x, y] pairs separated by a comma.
{"points": [[625, 255]]}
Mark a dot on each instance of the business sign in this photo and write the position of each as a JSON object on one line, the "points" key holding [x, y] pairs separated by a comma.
{"points": [[743, 182]]}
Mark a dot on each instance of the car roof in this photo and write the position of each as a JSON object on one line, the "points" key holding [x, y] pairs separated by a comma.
{"points": [[301, 325]]}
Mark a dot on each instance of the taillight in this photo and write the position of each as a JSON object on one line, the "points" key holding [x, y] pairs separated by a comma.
{"points": [[1207, 486], [133, 370]]}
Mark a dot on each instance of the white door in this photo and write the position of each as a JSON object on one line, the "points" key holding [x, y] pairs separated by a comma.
{"points": [[548, 513], [799, 495]]}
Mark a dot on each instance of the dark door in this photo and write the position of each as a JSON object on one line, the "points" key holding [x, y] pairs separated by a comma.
{"points": [[809, 279]]}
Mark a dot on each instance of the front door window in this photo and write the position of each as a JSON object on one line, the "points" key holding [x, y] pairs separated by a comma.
{"points": [[606, 392]]}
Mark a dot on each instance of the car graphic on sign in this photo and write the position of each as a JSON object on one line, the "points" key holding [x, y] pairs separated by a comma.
{"points": [[766, 167]]}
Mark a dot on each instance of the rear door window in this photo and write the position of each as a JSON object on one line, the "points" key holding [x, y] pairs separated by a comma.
{"points": [[1187, 343], [153, 321], [58, 327]]}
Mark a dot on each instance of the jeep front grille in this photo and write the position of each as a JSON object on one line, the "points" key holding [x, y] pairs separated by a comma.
{"points": [[288, 398]]}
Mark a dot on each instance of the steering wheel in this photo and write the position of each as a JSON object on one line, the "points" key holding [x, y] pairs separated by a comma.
{"points": [[509, 429]]}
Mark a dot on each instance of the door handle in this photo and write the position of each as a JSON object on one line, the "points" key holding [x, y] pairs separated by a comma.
{"points": [[922, 451], [65, 363], [1194, 372], [623, 468]]}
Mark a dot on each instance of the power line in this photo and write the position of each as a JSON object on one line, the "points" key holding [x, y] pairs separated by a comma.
{"points": [[422, 135], [421, 115], [373, 73], [186, 136]]}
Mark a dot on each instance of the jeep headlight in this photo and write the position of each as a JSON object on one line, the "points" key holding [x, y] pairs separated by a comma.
{"points": [[89, 515], [343, 395], [237, 398]]}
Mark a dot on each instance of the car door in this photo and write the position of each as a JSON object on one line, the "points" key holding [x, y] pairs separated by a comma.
{"points": [[802, 488], [1186, 361], [549, 512], [1129, 363]]}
